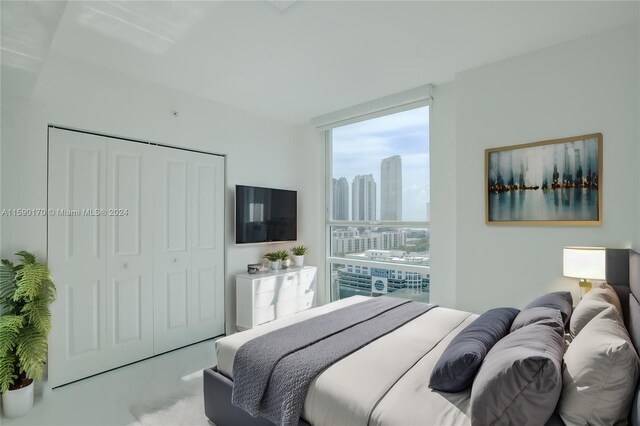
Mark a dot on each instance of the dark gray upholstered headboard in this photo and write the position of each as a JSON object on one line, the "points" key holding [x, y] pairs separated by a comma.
{"points": [[623, 274]]}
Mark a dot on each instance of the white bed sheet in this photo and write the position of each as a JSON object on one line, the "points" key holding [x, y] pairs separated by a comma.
{"points": [[384, 383]]}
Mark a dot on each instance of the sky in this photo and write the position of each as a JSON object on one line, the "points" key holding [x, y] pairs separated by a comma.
{"points": [[359, 148]]}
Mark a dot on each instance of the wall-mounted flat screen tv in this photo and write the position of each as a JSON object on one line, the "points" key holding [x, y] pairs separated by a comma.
{"points": [[265, 215]]}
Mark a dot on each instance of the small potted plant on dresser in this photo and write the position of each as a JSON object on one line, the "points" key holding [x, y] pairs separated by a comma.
{"points": [[284, 259], [274, 260], [26, 291], [298, 254]]}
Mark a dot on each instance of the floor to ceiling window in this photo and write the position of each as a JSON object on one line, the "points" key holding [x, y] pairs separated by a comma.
{"points": [[378, 206]]}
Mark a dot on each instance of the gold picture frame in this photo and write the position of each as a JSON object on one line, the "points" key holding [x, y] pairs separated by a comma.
{"points": [[544, 183]]}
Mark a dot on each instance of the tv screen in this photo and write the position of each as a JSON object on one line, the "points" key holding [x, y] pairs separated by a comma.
{"points": [[265, 215]]}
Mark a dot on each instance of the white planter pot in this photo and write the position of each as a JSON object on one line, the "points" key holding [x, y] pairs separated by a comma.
{"points": [[274, 265], [286, 263], [298, 260], [17, 403]]}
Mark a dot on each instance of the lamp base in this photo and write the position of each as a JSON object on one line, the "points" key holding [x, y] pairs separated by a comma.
{"points": [[585, 286]]}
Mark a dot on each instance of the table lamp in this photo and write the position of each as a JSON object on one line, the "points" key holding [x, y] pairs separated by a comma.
{"points": [[584, 263]]}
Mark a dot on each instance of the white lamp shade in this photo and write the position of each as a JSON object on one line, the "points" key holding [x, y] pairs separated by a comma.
{"points": [[584, 262]]}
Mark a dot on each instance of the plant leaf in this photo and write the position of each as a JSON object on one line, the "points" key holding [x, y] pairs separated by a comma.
{"points": [[32, 352], [10, 327], [27, 258], [30, 280], [7, 286], [38, 314], [7, 371]]}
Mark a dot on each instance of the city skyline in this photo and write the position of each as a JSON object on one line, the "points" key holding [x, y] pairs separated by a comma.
{"points": [[359, 148], [390, 193]]}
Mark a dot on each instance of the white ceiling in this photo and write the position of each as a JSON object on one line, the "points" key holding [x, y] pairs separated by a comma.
{"points": [[309, 58]]}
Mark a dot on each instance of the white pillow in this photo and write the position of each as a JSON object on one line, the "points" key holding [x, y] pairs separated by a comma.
{"points": [[594, 302], [600, 371]]}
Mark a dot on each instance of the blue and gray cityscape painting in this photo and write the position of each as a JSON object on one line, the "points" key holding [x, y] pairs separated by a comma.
{"points": [[548, 182]]}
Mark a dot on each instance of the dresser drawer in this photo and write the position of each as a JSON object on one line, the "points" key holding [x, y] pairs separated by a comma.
{"points": [[262, 315], [261, 300], [265, 285], [307, 277], [293, 305], [290, 288]]}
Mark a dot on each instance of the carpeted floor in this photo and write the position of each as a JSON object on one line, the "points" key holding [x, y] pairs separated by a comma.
{"points": [[182, 407]]}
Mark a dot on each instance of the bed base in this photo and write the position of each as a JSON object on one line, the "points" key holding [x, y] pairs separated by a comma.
{"points": [[218, 406]]}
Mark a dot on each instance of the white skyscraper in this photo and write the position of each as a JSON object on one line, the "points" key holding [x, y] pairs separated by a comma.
{"points": [[363, 198], [391, 188]]}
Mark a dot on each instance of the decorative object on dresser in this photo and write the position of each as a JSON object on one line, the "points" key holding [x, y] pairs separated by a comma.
{"points": [[274, 260], [584, 263], [554, 182], [254, 268], [298, 254], [264, 297], [285, 262], [26, 291]]}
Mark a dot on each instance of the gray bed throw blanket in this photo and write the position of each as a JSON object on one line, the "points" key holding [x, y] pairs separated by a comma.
{"points": [[272, 373]]}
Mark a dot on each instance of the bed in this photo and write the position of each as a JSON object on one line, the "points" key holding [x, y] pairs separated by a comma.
{"points": [[382, 385]]}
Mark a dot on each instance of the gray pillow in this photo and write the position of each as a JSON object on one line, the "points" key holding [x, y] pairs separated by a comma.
{"points": [[594, 302], [561, 300], [460, 361], [600, 373], [520, 380], [544, 316]]}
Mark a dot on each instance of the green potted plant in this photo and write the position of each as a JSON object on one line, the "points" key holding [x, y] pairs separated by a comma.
{"points": [[26, 291], [274, 260], [284, 258], [298, 254]]}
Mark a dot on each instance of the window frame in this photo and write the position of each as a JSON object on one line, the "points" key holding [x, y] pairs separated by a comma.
{"points": [[329, 222]]}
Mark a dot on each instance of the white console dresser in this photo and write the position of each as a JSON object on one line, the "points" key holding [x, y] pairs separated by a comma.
{"points": [[265, 296]]}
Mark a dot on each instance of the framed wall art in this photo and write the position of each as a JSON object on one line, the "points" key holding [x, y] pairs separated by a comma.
{"points": [[555, 182]]}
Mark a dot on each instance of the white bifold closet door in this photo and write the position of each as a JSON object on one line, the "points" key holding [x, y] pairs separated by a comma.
{"points": [[135, 249], [189, 215]]}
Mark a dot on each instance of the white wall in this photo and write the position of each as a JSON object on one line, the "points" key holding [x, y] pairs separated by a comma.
{"points": [[71, 93], [311, 202], [584, 86], [443, 200]]}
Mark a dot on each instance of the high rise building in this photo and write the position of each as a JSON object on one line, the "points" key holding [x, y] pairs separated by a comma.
{"points": [[340, 199], [391, 188], [350, 241], [363, 198]]}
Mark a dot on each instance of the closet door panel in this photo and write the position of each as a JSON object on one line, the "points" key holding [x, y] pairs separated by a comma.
{"points": [[76, 254], [207, 251], [172, 256], [129, 253], [136, 248]]}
